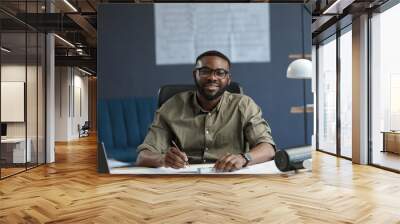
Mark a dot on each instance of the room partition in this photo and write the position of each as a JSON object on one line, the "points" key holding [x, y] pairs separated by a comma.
{"points": [[22, 76]]}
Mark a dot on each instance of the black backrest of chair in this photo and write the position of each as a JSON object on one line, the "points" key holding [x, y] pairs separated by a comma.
{"points": [[167, 91], [86, 125]]}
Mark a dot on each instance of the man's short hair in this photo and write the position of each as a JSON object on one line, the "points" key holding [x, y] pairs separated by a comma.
{"points": [[213, 53]]}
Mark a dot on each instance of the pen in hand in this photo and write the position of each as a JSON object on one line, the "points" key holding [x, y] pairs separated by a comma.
{"points": [[176, 146]]}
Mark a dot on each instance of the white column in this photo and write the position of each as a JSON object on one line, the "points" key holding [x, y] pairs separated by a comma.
{"points": [[360, 90], [50, 92]]}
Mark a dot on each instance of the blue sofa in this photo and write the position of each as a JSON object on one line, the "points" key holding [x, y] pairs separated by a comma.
{"points": [[123, 125]]}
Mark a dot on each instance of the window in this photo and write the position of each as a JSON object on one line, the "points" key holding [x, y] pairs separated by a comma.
{"points": [[385, 88], [346, 92], [327, 95], [22, 77]]}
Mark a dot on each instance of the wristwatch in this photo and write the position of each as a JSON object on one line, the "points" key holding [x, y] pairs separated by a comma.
{"points": [[247, 157]]}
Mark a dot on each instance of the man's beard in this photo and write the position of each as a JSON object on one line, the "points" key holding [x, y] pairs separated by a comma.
{"points": [[208, 96]]}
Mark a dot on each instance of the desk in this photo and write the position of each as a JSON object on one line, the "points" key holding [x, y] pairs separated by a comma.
{"points": [[195, 169], [391, 141], [13, 150]]}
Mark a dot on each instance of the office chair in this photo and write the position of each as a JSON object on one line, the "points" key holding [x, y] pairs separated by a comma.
{"points": [[84, 129], [167, 91]]}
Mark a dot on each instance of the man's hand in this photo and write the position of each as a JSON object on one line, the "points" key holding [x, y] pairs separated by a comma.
{"points": [[175, 158], [229, 163]]}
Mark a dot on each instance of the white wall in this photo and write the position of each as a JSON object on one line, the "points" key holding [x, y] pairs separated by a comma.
{"points": [[11, 73], [80, 110], [33, 126], [62, 81], [71, 102], [16, 73]]}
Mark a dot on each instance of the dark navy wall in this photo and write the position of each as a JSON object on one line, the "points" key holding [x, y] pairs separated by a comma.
{"points": [[126, 65]]}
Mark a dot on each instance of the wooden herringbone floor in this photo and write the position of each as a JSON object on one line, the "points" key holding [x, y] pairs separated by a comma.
{"points": [[70, 191]]}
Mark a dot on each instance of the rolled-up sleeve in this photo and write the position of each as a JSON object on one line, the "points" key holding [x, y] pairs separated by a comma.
{"points": [[157, 137], [256, 129]]}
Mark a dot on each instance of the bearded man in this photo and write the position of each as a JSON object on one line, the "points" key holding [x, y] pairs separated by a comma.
{"points": [[208, 125]]}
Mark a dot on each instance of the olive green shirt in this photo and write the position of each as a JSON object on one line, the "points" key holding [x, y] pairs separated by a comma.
{"points": [[233, 126]]}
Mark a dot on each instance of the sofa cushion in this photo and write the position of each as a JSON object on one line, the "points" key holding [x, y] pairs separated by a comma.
{"points": [[127, 154], [132, 123], [146, 108], [118, 123], [123, 125], [104, 124]]}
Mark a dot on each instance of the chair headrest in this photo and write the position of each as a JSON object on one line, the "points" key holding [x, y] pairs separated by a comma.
{"points": [[167, 91]]}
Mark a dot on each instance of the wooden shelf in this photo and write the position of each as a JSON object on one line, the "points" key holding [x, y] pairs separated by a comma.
{"points": [[300, 109]]}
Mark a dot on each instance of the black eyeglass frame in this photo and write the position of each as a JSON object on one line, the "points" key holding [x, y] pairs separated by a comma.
{"points": [[211, 71]]}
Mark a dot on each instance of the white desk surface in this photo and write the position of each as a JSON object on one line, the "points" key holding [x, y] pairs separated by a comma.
{"points": [[13, 140], [124, 168]]}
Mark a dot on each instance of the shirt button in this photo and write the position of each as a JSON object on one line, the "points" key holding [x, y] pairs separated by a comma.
{"points": [[209, 114], [207, 132], [204, 161], [206, 149]]}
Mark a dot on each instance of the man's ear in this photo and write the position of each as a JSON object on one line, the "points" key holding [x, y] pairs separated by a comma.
{"points": [[194, 74], [229, 80]]}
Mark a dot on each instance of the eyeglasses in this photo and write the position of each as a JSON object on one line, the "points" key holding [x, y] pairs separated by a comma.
{"points": [[206, 71]]}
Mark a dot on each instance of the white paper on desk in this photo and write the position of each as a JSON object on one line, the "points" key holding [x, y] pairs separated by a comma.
{"points": [[191, 169], [112, 163], [262, 168]]}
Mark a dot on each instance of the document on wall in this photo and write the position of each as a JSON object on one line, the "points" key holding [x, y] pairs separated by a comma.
{"points": [[262, 168], [183, 31]]}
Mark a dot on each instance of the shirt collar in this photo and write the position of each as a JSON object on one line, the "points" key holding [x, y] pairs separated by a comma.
{"points": [[198, 109]]}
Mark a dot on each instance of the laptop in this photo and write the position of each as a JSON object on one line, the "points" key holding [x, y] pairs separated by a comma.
{"points": [[102, 160], [106, 164]]}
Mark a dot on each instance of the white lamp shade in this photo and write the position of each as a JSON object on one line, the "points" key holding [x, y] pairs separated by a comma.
{"points": [[299, 69]]}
